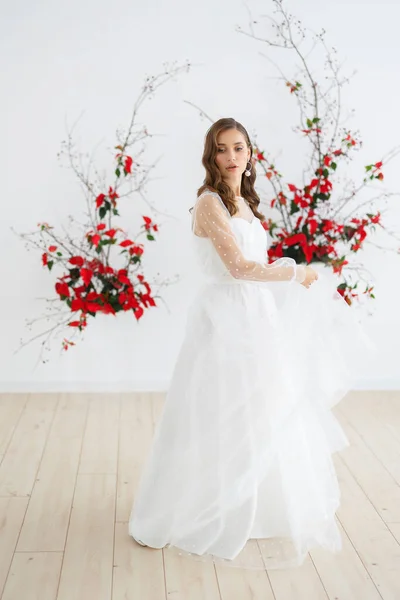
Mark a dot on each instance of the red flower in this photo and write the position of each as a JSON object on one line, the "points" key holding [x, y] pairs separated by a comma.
{"points": [[122, 276], [95, 239], [74, 324], [136, 250], [77, 261], [44, 259], [111, 233], [380, 176], [138, 312], [86, 275], [260, 156], [126, 243], [112, 194], [52, 248], [128, 164], [338, 152], [312, 226], [376, 218], [62, 289], [378, 165], [147, 222], [327, 161], [99, 200], [77, 304], [101, 227], [292, 187]]}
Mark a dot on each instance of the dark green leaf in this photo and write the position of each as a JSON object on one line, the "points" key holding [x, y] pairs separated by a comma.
{"points": [[150, 237], [117, 172], [50, 264], [333, 166], [115, 212], [59, 253], [293, 208]]}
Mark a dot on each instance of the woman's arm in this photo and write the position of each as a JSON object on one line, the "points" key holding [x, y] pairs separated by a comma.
{"points": [[211, 216]]}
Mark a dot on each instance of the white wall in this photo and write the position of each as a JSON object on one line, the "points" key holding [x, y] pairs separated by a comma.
{"points": [[59, 59]]}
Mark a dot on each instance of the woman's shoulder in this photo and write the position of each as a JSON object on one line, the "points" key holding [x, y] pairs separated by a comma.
{"points": [[208, 192]]}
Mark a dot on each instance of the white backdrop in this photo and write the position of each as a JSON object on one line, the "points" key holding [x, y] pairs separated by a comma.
{"points": [[59, 60]]}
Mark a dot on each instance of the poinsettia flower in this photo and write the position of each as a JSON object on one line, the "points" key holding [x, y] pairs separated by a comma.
{"points": [[112, 194], [378, 165], [110, 233], [78, 261], [138, 250], [147, 222], [128, 164], [292, 187], [327, 161], [95, 240], [86, 275], [100, 200], [380, 176], [74, 324], [52, 248], [126, 243], [62, 289], [44, 259], [101, 226]]}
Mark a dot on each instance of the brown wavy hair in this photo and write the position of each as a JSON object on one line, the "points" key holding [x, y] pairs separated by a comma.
{"points": [[213, 180]]}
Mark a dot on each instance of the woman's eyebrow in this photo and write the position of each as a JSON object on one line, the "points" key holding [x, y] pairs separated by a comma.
{"points": [[235, 144]]}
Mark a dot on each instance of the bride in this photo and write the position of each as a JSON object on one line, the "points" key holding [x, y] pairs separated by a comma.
{"points": [[243, 448]]}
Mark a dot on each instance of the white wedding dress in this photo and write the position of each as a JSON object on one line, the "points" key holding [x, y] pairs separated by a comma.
{"points": [[243, 449]]}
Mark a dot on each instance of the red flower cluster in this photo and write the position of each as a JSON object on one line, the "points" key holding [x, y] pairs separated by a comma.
{"points": [[312, 237], [91, 285]]}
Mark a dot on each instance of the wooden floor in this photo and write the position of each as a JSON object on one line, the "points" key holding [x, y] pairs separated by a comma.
{"points": [[69, 467]]}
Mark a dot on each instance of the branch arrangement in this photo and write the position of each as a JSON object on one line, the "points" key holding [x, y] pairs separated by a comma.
{"points": [[97, 264]]}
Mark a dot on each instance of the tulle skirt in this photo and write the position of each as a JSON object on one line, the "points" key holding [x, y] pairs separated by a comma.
{"points": [[243, 448]]}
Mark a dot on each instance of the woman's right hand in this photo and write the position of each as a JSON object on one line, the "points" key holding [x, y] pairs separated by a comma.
{"points": [[311, 276]]}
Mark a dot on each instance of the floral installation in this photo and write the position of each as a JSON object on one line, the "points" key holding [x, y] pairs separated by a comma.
{"points": [[97, 265], [322, 219]]}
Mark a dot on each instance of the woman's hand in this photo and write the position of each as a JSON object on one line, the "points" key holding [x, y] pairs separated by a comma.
{"points": [[310, 277]]}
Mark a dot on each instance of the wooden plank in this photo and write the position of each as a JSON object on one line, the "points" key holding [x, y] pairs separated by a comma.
{"points": [[139, 413], [22, 460], [138, 571], [11, 408], [245, 584], [88, 560], [299, 582], [187, 577], [100, 445], [33, 576], [378, 484], [375, 434], [12, 512], [46, 522], [343, 573], [374, 543]]}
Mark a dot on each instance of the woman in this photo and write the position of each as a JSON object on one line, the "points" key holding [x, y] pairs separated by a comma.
{"points": [[243, 447]]}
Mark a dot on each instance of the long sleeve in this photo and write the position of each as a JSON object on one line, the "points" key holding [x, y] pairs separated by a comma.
{"points": [[213, 219]]}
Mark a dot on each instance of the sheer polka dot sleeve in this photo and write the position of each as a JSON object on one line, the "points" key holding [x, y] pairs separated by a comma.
{"points": [[212, 219]]}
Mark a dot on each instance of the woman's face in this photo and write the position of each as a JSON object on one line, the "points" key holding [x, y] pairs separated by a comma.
{"points": [[232, 154]]}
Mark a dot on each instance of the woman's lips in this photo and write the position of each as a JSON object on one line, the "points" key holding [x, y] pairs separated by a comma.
{"points": [[232, 168]]}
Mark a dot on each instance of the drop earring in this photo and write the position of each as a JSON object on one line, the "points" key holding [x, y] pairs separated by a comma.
{"points": [[248, 170]]}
